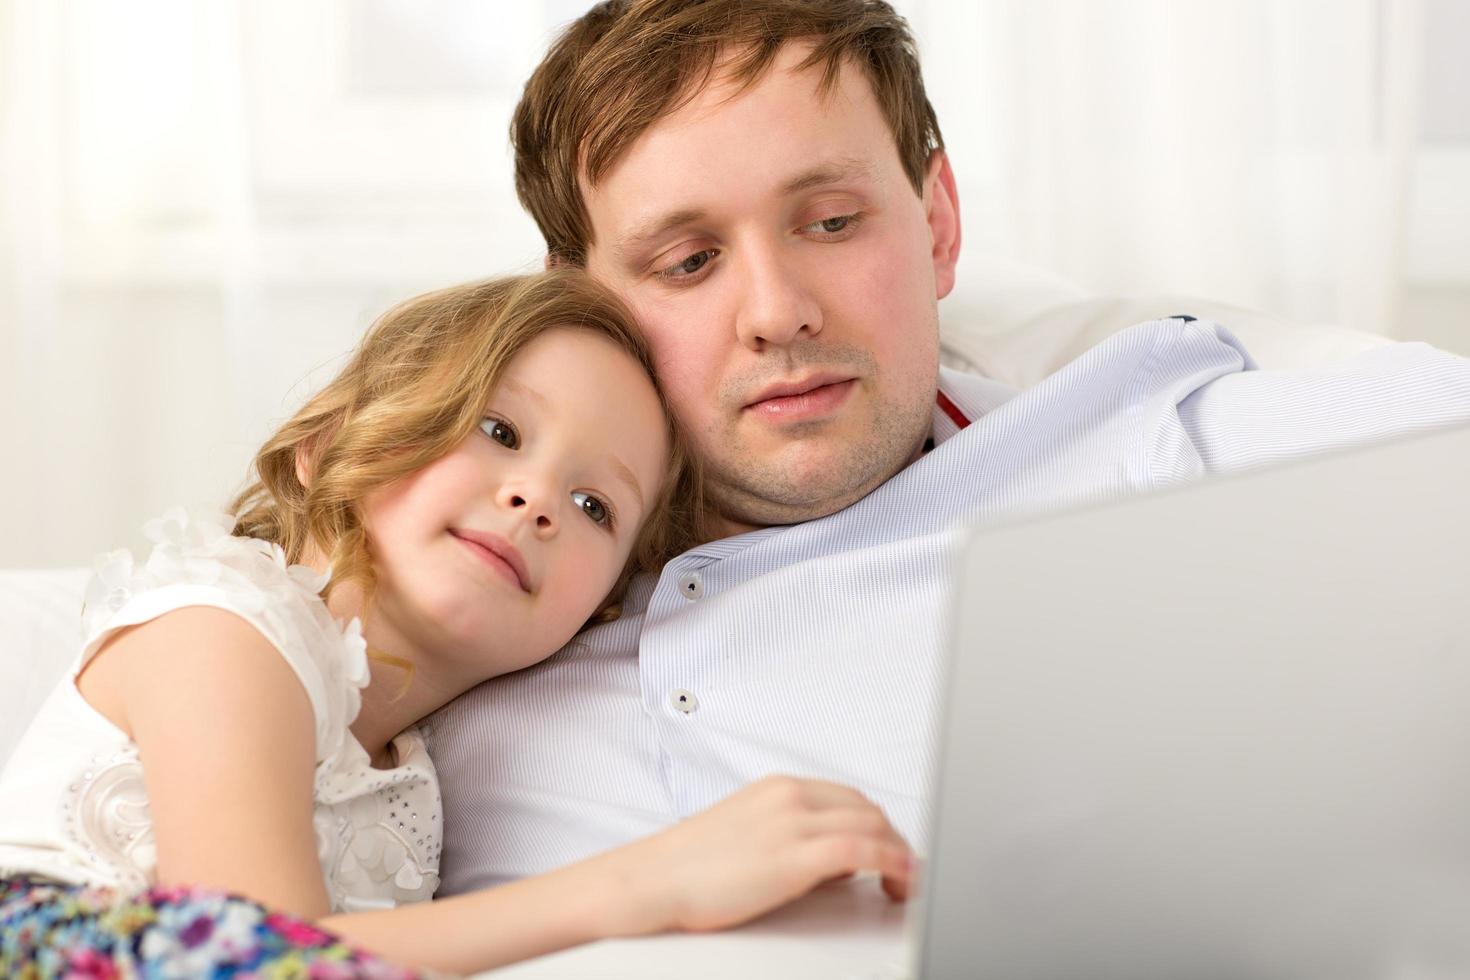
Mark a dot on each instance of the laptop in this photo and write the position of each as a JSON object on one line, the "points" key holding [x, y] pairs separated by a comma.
{"points": [[1221, 731]]}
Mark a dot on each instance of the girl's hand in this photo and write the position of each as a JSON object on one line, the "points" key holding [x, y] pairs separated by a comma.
{"points": [[758, 849]]}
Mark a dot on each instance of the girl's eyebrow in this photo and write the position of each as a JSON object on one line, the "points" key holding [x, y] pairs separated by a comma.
{"points": [[530, 393], [621, 471]]}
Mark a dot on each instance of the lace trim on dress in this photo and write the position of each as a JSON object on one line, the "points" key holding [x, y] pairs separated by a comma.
{"points": [[377, 831]]}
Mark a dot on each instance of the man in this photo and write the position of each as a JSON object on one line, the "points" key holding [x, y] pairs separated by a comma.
{"points": [[764, 182]]}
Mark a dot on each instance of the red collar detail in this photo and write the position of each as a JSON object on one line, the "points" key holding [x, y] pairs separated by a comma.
{"points": [[952, 410]]}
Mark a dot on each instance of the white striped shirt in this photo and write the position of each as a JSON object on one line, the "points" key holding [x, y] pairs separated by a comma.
{"points": [[815, 649]]}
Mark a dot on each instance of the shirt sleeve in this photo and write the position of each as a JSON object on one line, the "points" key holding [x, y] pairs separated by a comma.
{"points": [[1252, 418]]}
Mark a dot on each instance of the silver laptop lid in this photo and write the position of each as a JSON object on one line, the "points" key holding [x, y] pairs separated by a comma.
{"points": [[1220, 731]]}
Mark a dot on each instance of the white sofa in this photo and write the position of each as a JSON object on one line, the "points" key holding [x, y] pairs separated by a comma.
{"points": [[40, 629], [1022, 325]]}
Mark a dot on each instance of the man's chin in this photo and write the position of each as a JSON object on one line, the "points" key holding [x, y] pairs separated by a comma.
{"points": [[815, 486]]}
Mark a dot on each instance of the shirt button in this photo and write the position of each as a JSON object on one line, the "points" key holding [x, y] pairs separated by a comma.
{"points": [[683, 701], [691, 586]]}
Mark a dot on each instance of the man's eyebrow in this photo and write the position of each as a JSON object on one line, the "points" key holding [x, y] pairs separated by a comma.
{"points": [[628, 246], [621, 471], [833, 172], [840, 171]]}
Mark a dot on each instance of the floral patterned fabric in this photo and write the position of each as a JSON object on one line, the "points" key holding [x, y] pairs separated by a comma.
{"points": [[79, 933]]}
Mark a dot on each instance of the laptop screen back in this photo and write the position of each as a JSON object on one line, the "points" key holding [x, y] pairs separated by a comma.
{"points": [[1219, 731]]}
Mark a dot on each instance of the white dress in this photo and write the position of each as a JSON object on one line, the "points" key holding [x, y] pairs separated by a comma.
{"points": [[75, 808]]}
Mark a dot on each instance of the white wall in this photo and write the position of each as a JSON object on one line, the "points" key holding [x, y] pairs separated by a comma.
{"points": [[203, 204]]}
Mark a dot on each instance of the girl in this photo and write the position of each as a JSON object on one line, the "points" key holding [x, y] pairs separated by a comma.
{"points": [[229, 782]]}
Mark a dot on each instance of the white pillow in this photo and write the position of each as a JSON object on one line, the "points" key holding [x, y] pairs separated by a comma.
{"points": [[40, 633], [1021, 344]]}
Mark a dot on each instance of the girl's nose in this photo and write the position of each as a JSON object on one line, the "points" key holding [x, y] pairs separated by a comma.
{"points": [[533, 502]]}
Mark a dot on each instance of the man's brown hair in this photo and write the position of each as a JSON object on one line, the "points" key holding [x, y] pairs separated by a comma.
{"points": [[625, 64]]}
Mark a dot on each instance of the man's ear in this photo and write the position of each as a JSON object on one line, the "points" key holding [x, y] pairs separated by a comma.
{"points": [[942, 210]]}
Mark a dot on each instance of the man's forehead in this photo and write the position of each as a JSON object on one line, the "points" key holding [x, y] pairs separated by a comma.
{"points": [[728, 79], [715, 93], [780, 136]]}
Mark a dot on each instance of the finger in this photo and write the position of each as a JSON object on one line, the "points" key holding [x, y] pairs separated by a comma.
{"points": [[866, 820], [820, 793], [834, 854], [900, 889], [811, 793], [897, 886]]}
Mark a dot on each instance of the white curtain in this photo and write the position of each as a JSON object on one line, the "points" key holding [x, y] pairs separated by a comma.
{"points": [[1252, 151], [203, 204]]}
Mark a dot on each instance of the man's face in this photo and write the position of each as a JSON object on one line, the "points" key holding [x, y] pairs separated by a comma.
{"points": [[786, 274]]}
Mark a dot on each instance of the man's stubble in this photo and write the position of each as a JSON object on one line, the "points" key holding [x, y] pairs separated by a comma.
{"points": [[751, 489]]}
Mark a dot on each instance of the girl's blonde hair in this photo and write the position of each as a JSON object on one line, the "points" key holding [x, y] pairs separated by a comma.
{"points": [[417, 387]]}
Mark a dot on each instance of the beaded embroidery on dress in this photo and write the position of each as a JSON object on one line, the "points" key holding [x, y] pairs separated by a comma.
{"points": [[377, 831]]}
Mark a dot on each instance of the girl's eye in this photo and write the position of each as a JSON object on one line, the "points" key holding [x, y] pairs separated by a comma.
{"points": [[502, 432], [595, 509]]}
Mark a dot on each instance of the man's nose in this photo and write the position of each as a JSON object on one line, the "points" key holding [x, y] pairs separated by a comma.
{"points": [[534, 501], [777, 307]]}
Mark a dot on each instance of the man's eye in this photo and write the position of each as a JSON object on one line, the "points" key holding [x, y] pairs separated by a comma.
{"points": [[833, 225], [689, 266], [597, 511], [502, 432]]}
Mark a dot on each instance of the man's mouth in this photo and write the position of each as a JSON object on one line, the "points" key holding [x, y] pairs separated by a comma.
{"points": [[801, 400]]}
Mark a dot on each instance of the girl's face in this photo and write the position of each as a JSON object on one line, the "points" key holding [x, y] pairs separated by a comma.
{"points": [[492, 557]]}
